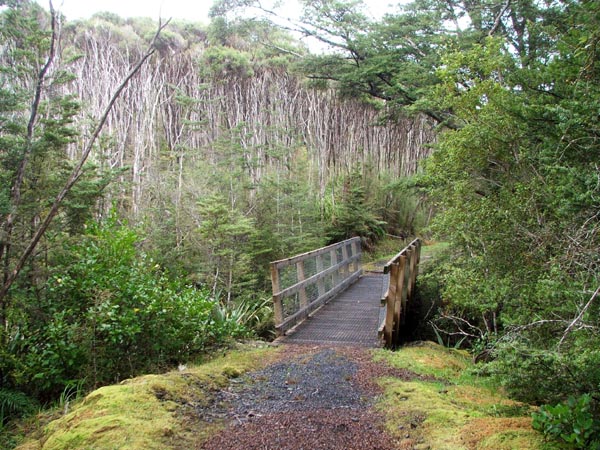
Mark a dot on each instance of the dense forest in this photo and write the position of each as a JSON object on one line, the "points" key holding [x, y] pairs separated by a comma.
{"points": [[149, 172]]}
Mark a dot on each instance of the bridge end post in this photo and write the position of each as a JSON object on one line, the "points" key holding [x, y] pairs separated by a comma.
{"points": [[277, 303]]}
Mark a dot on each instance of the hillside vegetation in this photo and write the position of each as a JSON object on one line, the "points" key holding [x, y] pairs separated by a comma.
{"points": [[149, 172]]}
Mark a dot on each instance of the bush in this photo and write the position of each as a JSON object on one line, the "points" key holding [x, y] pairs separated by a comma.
{"points": [[555, 375], [572, 422], [109, 312]]}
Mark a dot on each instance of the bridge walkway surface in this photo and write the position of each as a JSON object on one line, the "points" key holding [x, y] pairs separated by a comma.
{"points": [[351, 318]]}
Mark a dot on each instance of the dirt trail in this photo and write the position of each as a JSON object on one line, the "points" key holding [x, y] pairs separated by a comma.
{"points": [[312, 398]]}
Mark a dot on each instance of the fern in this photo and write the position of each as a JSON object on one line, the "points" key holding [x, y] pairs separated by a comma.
{"points": [[13, 404]]}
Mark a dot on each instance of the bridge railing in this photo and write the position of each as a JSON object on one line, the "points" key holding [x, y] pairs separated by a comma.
{"points": [[402, 270], [303, 283]]}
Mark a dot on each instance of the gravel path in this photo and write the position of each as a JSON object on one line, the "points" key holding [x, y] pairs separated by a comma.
{"points": [[313, 398]]}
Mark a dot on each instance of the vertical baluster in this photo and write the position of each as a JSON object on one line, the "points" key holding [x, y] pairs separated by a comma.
{"points": [[320, 283], [400, 296], [346, 266], [301, 277], [356, 250], [335, 274], [391, 306]]}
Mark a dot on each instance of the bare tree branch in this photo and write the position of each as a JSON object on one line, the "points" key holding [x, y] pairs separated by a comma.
{"points": [[78, 169], [578, 318], [499, 18]]}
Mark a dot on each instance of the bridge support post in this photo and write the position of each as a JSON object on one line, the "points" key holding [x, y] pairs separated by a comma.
{"points": [[402, 270], [400, 297]]}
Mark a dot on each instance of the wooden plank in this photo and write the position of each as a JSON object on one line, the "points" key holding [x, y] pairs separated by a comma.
{"points": [[356, 250], [277, 306], [400, 295], [312, 280], [320, 284], [301, 277], [405, 287], [335, 274], [321, 251], [345, 268], [390, 307], [414, 263]]}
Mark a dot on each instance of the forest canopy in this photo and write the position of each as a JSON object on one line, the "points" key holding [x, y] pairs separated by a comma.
{"points": [[471, 122]]}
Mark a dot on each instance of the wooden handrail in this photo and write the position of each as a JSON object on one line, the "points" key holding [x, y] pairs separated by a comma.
{"points": [[315, 277], [402, 269]]}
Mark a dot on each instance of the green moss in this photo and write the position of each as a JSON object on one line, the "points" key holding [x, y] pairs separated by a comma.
{"points": [[429, 359], [514, 440], [454, 409], [123, 416], [148, 412]]}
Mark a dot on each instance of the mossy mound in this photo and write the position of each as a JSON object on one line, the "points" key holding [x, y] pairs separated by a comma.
{"points": [[149, 412], [451, 408]]}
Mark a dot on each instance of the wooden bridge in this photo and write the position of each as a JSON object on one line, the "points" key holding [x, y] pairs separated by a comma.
{"points": [[323, 297]]}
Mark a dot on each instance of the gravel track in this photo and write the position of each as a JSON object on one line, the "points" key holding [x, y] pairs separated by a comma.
{"points": [[312, 398]]}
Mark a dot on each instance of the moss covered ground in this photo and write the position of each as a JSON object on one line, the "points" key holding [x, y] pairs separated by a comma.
{"points": [[451, 408], [443, 405], [149, 412]]}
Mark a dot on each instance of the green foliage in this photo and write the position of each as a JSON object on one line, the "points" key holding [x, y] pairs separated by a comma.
{"points": [[226, 62], [513, 185], [225, 233], [572, 422], [254, 315], [109, 313], [354, 215], [13, 404], [519, 365]]}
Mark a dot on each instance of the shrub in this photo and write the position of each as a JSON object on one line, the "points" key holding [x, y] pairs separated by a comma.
{"points": [[572, 422], [109, 313]]}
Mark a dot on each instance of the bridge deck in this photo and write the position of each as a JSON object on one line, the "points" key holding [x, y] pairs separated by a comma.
{"points": [[352, 318]]}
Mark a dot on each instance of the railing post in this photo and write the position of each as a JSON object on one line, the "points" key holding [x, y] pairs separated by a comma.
{"points": [[301, 277], [414, 266], [356, 250], [346, 266], [277, 304], [335, 275], [412, 275], [320, 284], [388, 331]]}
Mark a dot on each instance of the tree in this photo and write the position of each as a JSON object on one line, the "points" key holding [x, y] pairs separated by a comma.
{"points": [[353, 214], [76, 173], [516, 189]]}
